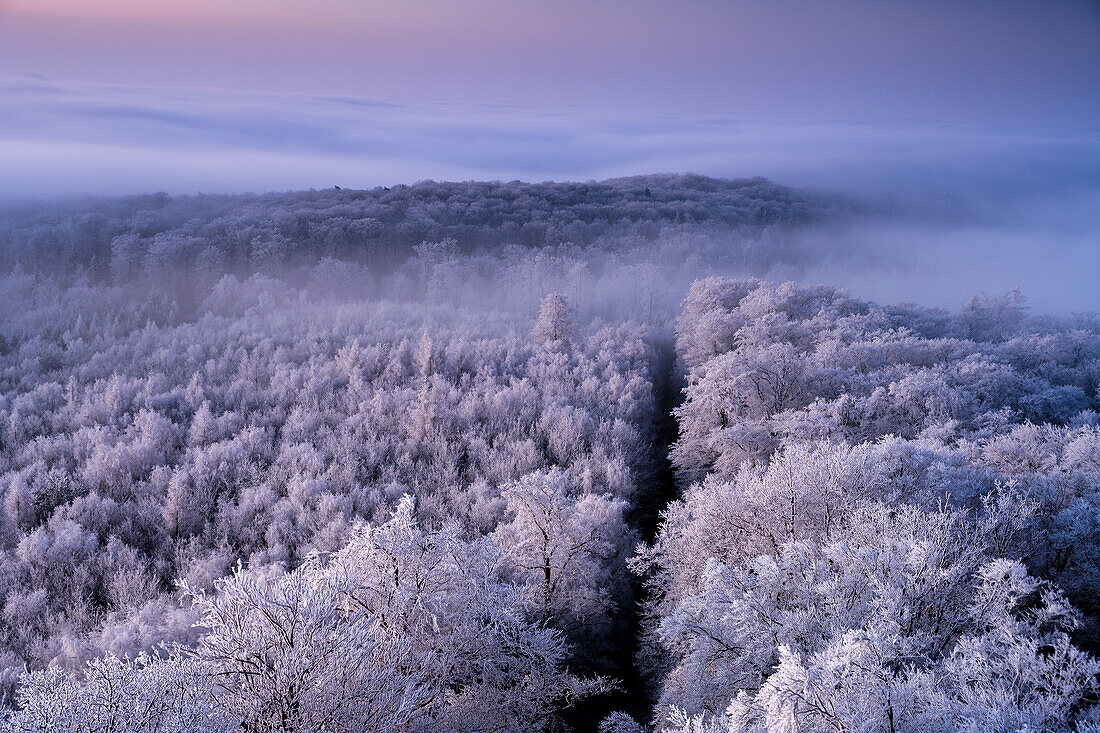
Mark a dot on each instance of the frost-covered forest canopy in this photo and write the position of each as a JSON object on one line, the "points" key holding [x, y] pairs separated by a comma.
{"points": [[514, 457]]}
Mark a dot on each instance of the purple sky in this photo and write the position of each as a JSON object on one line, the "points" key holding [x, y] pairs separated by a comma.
{"points": [[960, 60], [120, 95]]}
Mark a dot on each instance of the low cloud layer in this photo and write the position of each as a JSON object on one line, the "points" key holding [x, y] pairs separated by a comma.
{"points": [[64, 138], [964, 208]]}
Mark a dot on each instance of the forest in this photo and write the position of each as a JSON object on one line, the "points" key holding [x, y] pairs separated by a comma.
{"points": [[530, 457]]}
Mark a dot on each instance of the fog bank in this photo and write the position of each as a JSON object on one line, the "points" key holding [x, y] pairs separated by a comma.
{"points": [[945, 210]]}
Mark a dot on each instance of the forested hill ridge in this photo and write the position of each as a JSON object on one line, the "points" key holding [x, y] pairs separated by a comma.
{"points": [[380, 226]]}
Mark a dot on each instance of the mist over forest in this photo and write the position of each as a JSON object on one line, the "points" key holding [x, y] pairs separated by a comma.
{"points": [[497, 366], [664, 452]]}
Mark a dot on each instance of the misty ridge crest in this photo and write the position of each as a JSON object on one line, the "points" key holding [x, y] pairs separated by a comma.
{"points": [[512, 457], [386, 242]]}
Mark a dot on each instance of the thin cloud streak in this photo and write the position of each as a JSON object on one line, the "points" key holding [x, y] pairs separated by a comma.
{"points": [[69, 138], [969, 60]]}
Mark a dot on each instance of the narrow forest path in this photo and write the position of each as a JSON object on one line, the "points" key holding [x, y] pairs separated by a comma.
{"points": [[655, 490], [659, 488]]}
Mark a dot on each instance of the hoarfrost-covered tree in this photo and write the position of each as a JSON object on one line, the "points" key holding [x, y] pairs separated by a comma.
{"points": [[903, 622], [150, 694], [292, 654], [568, 545], [402, 629], [554, 327], [492, 668]]}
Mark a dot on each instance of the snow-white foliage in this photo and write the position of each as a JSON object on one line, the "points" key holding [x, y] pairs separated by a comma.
{"points": [[170, 694], [495, 665], [554, 328], [768, 365], [883, 513], [402, 629], [287, 654], [175, 451], [570, 547], [866, 492], [903, 621]]}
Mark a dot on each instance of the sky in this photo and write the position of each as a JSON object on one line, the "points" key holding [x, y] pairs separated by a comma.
{"points": [[120, 96], [961, 60], [976, 121]]}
